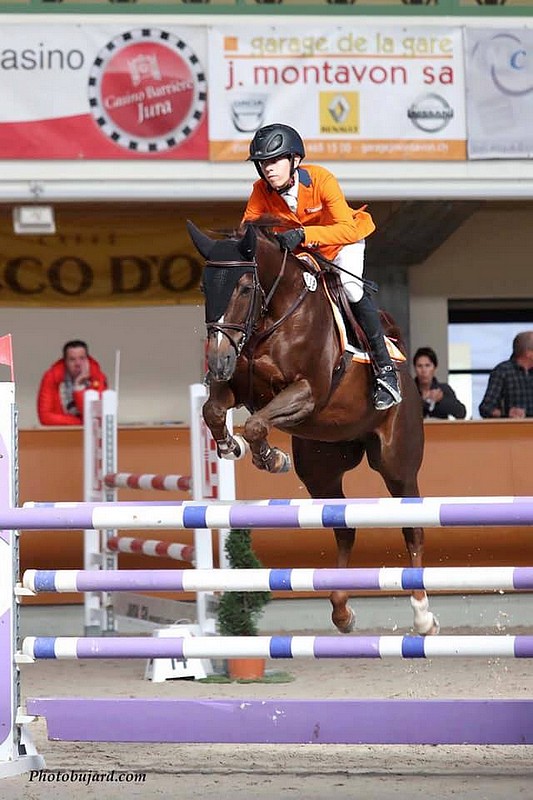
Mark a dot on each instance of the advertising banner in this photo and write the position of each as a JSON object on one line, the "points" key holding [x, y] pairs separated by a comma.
{"points": [[102, 91], [360, 92], [499, 92], [120, 255]]}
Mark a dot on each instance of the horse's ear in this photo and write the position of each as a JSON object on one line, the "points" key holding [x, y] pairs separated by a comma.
{"points": [[248, 243], [201, 241]]}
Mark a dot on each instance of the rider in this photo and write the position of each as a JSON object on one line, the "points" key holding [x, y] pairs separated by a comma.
{"points": [[311, 198]]}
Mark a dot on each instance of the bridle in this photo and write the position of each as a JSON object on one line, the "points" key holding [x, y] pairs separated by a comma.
{"points": [[255, 309]]}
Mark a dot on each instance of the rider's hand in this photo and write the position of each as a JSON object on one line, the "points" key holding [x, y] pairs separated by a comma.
{"points": [[289, 240]]}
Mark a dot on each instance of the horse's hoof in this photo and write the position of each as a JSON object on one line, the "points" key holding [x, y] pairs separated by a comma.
{"points": [[286, 465], [242, 446], [431, 629], [236, 451], [279, 461], [435, 629], [349, 625]]}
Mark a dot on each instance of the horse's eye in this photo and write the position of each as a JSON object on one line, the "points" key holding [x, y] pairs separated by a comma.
{"points": [[246, 290]]}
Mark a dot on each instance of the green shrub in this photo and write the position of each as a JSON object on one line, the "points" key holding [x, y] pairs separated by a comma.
{"points": [[239, 612]]}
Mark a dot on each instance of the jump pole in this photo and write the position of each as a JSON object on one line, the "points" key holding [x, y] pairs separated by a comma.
{"points": [[397, 579], [430, 512], [75, 648]]}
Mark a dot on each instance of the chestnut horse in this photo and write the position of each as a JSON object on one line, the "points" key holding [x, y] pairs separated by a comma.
{"points": [[274, 348]]}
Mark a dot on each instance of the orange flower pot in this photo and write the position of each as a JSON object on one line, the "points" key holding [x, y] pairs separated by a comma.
{"points": [[246, 668]]}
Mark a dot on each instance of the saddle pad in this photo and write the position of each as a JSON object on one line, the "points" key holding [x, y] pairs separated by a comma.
{"points": [[363, 358], [357, 355]]}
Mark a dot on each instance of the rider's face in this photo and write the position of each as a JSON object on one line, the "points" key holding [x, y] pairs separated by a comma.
{"points": [[277, 171]]}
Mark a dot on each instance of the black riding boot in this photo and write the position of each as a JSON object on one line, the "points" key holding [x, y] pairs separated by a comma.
{"points": [[386, 389]]}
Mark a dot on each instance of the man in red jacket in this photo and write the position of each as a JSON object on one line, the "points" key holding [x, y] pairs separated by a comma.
{"points": [[60, 398]]}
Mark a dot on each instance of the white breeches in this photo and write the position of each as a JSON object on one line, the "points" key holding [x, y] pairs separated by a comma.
{"points": [[352, 260]]}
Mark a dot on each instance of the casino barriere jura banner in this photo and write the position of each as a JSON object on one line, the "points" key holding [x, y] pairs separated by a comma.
{"points": [[103, 91], [364, 92]]}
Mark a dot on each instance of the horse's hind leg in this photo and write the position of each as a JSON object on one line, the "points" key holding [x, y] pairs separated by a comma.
{"points": [[399, 485], [424, 621], [321, 466]]}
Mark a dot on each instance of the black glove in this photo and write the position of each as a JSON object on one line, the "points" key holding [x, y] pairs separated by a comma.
{"points": [[289, 240]]}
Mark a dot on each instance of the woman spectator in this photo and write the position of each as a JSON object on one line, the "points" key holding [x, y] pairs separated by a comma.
{"points": [[438, 398]]}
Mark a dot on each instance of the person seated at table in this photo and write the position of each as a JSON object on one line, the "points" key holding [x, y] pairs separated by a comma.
{"points": [[439, 399], [509, 392], [60, 396]]}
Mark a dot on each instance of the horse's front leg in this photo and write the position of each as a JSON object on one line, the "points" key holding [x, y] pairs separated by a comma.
{"points": [[214, 410], [425, 623], [290, 407]]}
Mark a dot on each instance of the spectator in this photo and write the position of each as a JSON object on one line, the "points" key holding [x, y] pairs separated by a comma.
{"points": [[509, 391], [60, 398], [438, 398]]}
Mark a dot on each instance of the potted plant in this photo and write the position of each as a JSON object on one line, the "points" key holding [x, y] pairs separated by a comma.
{"points": [[239, 612]]}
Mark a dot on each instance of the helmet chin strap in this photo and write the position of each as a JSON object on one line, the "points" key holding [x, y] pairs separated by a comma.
{"points": [[287, 186], [290, 182], [293, 168]]}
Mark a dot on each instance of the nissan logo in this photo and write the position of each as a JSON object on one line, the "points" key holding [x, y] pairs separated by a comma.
{"points": [[430, 112]]}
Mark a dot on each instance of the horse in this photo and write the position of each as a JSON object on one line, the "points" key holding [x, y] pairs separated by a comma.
{"points": [[273, 347]]}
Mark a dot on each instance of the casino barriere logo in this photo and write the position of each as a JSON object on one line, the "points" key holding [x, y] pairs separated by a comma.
{"points": [[147, 90]]}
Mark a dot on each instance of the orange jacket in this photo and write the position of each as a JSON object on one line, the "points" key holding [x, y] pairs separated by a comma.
{"points": [[326, 217], [49, 400]]}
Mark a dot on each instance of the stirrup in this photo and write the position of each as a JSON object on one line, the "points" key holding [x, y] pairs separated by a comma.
{"points": [[386, 395]]}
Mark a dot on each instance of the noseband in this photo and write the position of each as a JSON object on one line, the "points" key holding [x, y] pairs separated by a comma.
{"points": [[256, 306]]}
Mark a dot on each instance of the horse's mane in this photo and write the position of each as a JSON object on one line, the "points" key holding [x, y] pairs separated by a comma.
{"points": [[266, 224]]}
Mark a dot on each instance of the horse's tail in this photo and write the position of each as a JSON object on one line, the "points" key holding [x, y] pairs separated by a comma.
{"points": [[392, 330]]}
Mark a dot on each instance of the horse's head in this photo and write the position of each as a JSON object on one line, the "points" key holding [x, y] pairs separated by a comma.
{"points": [[233, 296]]}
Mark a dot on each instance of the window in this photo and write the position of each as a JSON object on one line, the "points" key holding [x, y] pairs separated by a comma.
{"points": [[480, 335]]}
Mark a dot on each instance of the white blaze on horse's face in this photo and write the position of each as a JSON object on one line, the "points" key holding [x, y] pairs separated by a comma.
{"points": [[221, 354], [220, 335]]}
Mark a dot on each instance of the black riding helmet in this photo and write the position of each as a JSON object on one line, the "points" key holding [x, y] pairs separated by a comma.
{"points": [[275, 141]]}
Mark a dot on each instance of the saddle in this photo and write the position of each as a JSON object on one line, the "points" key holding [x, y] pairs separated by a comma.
{"points": [[355, 335], [351, 335]]}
